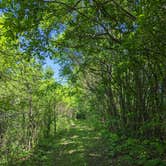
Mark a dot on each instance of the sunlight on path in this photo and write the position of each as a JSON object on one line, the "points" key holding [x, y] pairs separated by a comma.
{"points": [[73, 145], [80, 145]]}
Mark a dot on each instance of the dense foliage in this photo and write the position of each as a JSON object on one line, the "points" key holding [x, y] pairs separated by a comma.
{"points": [[112, 55]]}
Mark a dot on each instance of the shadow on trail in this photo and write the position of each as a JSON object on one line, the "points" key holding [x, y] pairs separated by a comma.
{"points": [[78, 146]]}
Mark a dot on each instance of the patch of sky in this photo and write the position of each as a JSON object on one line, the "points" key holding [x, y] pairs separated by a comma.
{"points": [[91, 2], [24, 43], [53, 34], [135, 26], [27, 11], [123, 27], [41, 49], [41, 32], [99, 29], [137, 2], [56, 67], [1, 12], [78, 54], [74, 14]]}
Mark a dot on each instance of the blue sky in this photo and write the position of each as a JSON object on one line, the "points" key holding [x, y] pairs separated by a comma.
{"points": [[50, 63], [56, 68]]}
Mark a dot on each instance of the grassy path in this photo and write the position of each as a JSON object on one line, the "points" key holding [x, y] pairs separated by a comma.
{"points": [[80, 145], [73, 145]]}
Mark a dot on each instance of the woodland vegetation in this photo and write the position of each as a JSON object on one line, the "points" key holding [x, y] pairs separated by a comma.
{"points": [[110, 108]]}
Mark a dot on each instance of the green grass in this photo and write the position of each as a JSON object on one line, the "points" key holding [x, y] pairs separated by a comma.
{"points": [[77, 145]]}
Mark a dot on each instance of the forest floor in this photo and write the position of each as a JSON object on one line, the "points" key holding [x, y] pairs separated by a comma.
{"points": [[79, 145]]}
